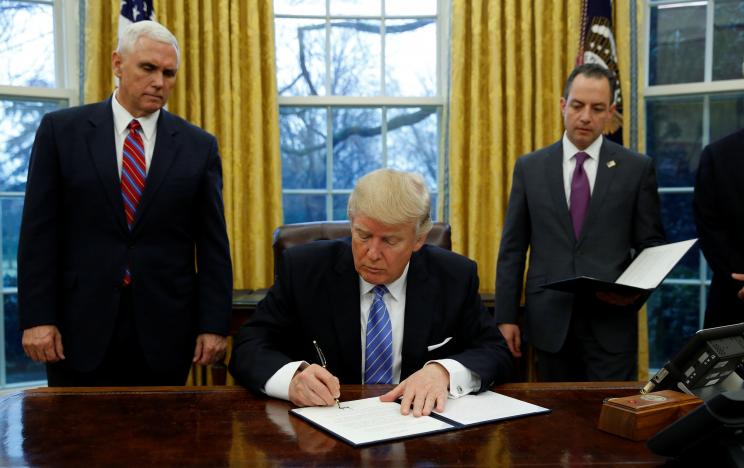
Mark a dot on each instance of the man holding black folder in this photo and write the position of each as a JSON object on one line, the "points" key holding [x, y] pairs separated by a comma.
{"points": [[581, 206]]}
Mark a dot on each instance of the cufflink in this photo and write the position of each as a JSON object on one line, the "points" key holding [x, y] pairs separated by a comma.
{"points": [[459, 390]]}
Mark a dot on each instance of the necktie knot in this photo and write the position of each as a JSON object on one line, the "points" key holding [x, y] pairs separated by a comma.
{"points": [[581, 157], [134, 125], [380, 291]]}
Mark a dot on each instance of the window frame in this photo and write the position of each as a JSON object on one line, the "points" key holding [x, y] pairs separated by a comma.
{"points": [[707, 89], [382, 102], [67, 15]]}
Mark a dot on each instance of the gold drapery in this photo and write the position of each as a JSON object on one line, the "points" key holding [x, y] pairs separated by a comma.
{"points": [[226, 84], [509, 61]]}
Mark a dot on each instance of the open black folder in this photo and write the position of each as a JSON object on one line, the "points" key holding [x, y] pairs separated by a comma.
{"points": [[642, 276], [370, 421]]}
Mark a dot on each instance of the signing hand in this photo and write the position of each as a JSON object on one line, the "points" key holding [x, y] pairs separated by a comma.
{"points": [[422, 390], [512, 337], [739, 277], [314, 386], [43, 343], [210, 348]]}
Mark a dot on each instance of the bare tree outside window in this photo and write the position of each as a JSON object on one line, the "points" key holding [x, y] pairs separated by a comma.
{"points": [[380, 66]]}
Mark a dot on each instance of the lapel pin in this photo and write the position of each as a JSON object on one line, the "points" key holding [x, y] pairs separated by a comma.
{"points": [[611, 164]]}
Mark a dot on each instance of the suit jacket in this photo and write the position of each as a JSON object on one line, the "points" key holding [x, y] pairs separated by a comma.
{"points": [[622, 219], [316, 297], [75, 243], [719, 216]]}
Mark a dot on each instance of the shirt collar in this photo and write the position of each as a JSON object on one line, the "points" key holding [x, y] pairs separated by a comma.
{"points": [[122, 117], [396, 288], [570, 150]]}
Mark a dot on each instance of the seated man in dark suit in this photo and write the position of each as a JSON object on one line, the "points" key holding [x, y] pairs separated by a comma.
{"points": [[384, 308]]}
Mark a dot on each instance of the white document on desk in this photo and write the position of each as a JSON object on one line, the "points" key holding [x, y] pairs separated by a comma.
{"points": [[370, 420], [650, 268]]}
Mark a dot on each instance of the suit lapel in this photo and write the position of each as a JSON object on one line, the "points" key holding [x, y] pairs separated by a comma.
{"points": [[421, 301], [556, 187], [343, 292], [102, 150], [605, 175], [166, 146]]}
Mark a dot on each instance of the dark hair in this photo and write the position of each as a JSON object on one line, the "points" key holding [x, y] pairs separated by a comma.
{"points": [[591, 70]]}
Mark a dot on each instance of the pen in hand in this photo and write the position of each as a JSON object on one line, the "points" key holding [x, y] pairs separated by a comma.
{"points": [[323, 365]]}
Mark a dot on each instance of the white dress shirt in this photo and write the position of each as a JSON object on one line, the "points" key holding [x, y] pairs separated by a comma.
{"points": [[149, 124], [462, 380], [569, 163]]}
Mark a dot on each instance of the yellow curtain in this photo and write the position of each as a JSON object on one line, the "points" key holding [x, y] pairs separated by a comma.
{"points": [[509, 61], [226, 84]]}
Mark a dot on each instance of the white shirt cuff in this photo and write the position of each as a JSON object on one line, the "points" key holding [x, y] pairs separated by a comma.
{"points": [[462, 380], [278, 384]]}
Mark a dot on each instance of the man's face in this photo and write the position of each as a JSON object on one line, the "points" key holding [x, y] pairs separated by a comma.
{"points": [[146, 75], [586, 110], [381, 251]]}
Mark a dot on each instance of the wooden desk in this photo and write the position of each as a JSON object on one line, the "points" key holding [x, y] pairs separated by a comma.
{"points": [[220, 426]]}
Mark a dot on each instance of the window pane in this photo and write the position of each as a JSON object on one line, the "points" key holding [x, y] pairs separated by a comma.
{"points": [[340, 206], [27, 44], [355, 58], [300, 57], [10, 220], [356, 7], [673, 317], [407, 7], [19, 119], [726, 114], [299, 208], [677, 218], [728, 40], [19, 368], [299, 7], [412, 141], [677, 49], [357, 144], [674, 138], [411, 57], [302, 133]]}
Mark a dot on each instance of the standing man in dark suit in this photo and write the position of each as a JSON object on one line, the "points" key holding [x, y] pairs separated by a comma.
{"points": [[582, 206], [719, 216], [124, 264], [384, 308]]}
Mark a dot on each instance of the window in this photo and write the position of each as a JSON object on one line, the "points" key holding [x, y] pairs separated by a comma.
{"points": [[36, 52], [361, 86], [694, 95]]}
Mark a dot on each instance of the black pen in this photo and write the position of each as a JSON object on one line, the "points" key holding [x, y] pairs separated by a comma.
{"points": [[323, 365]]}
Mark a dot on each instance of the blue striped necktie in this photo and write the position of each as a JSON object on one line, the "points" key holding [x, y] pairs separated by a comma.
{"points": [[378, 357]]}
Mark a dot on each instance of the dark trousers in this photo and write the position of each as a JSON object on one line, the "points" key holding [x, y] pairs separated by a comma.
{"points": [[124, 363], [583, 357]]}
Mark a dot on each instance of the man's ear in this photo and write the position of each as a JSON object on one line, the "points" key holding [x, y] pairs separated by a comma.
{"points": [[420, 241], [116, 64]]}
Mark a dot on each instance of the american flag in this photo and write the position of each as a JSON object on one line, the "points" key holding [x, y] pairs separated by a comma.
{"points": [[133, 11], [597, 45]]}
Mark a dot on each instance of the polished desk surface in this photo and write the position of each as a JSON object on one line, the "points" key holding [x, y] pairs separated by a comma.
{"points": [[220, 426]]}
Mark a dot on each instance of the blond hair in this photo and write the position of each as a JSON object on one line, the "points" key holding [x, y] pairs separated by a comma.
{"points": [[392, 197]]}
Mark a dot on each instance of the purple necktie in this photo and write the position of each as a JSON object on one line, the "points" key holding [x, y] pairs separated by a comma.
{"points": [[580, 193]]}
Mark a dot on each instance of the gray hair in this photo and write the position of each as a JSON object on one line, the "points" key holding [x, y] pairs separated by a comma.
{"points": [[392, 197], [150, 29]]}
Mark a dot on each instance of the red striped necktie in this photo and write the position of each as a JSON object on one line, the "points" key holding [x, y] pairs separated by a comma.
{"points": [[133, 174]]}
